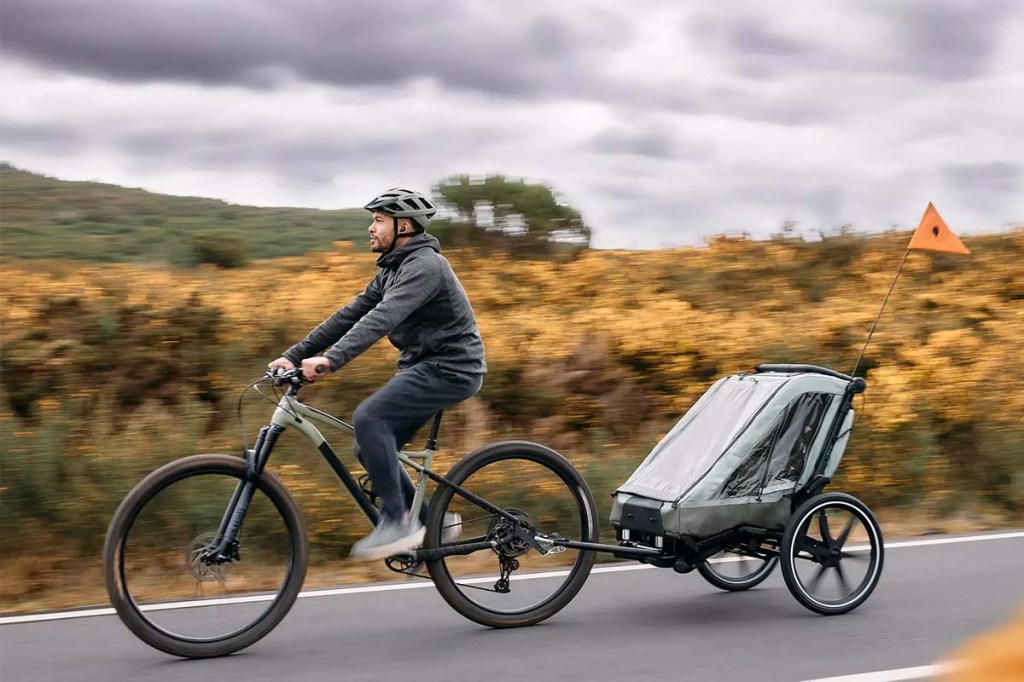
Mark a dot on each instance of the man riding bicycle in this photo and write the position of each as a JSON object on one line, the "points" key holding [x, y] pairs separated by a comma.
{"points": [[416, 300]]}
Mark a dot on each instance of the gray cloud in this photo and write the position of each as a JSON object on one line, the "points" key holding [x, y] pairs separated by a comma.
{"points": [[990, 177], [644, 143], [305, 156], [753, 36], [656, 142], [941, 40], [987, 187], [753, 47], [362, 43], [40, 136], [946, 40]]}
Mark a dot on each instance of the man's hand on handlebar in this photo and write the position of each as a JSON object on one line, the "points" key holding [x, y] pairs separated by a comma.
{"points": [[312, 367], [281, 364], [284, 369]]}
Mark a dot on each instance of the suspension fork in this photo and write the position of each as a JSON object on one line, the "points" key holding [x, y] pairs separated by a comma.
{"points": [[231, 522]]}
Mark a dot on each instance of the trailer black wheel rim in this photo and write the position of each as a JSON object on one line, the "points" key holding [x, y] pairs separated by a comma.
{"points": [[835, 555]]}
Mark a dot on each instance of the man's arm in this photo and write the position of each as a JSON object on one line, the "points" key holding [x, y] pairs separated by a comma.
{"points": [[336, 326], [418, 281]]}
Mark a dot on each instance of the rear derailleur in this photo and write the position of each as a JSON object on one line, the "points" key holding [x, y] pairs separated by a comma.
{"points": [[505, 567]]}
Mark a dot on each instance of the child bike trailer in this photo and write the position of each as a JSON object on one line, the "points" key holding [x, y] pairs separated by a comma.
{"points": [[741, 473]]}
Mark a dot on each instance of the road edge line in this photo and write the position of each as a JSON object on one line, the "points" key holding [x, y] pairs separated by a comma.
{"points": [[895, 675]]}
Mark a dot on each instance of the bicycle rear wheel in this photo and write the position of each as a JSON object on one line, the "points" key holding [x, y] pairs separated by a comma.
{"points": [[510, 583], [160, 586]]}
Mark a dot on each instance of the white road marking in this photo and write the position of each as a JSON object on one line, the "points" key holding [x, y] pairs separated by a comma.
{"points": [[918, 673], [390, 587]]}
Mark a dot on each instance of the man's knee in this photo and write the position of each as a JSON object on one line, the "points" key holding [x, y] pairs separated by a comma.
{"points": [[366, 416]]}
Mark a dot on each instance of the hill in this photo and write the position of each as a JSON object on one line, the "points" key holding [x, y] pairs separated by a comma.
{"points": [[43, 217]]}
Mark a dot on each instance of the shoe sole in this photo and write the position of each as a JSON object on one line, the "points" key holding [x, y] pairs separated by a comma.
{"points": [[399, 546]]}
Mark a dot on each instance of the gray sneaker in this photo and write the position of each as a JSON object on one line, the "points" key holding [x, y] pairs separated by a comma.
{"points": [[452, 528], [389, 537]]}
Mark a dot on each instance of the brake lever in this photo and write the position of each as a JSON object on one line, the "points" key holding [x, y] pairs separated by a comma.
{"points": [[280, 376], [292, 376]]}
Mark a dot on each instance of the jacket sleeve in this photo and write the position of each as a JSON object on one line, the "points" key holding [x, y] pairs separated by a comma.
{"points": [[418, 281], [334, 327]]}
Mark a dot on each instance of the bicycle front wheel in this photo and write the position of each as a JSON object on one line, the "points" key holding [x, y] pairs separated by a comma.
{"points": [[156, 577], [507, 583]]}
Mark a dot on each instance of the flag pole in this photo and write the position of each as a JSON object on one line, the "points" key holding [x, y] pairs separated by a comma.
{"points": [[875, 324]]}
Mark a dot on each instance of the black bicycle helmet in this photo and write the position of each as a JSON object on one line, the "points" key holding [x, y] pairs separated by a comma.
{"points": [[405, 203]]}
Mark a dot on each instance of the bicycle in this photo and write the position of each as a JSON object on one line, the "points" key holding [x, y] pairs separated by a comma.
{"points": [[226, 525]]}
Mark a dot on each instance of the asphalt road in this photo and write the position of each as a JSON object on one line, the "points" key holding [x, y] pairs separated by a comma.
{"points": [[633, 624]]}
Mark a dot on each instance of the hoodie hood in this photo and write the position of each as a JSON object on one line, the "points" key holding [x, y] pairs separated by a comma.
{"points": [[415, 243]]}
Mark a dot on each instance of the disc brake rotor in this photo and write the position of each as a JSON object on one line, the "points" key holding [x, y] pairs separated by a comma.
{"points": [[202, 571]]}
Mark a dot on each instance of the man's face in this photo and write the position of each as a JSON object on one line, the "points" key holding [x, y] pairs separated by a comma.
{"points": [[382, 231]]}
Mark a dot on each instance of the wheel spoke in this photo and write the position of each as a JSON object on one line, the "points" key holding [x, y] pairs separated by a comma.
{"points": [[805, 544], [823, 528], [817, 577], [842, 580], [811, 548], [846, 533]]}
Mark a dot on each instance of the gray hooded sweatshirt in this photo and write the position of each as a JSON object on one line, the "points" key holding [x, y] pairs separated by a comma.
{"points": [[417, 302]]}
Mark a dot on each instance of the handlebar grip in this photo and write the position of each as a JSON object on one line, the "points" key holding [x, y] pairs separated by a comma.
{"points": [[320, 369]]}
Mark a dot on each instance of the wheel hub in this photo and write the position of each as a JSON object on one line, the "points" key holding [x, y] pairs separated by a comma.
{"points": [[197, 561], [503, 528]]}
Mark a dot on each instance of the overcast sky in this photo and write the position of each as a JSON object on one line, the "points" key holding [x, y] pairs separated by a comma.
{"points": [[663, 122]]}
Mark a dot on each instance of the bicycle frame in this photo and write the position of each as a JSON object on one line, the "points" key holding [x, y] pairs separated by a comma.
{"points": [[303, 418], [291, 413]]}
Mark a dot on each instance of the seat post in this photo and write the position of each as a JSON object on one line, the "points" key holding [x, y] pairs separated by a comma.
{"points": [[432, 439]]}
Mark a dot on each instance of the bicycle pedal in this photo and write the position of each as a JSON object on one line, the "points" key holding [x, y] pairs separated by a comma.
{"points": [[403, 563], [366, 485]]}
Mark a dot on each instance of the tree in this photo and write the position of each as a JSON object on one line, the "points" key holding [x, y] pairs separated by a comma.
{"points": [[498, 212]]}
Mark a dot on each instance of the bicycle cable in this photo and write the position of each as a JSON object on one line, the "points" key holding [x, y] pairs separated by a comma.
{"points": [[241, 420], [241, 395], [277, 402]]}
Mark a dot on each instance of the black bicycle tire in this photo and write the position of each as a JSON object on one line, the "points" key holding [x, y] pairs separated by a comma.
{"points": [[488, 454], [788, 552], [135, 501], [721, 582]]}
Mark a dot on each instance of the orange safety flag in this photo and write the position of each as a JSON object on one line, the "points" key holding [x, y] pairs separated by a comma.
{"points": [[934, 235]]}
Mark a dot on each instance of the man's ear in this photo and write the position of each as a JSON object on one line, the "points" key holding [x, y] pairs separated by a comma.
{"points": [[405, 227]]}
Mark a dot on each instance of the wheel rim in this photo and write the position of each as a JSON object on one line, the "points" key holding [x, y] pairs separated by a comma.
{"points": [[835, 554], [165, 580], [542, 500], [737, 567]]}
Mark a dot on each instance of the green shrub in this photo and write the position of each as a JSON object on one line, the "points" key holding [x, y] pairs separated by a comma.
{"points": [[224, 251]]}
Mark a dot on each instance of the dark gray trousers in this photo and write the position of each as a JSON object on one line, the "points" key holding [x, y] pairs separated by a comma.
{"points": [[386, 421]]}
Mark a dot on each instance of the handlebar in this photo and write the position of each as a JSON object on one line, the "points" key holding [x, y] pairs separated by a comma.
{"points": [[293, 376]]}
